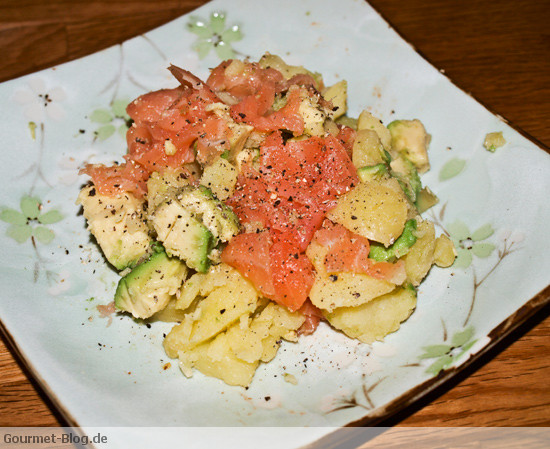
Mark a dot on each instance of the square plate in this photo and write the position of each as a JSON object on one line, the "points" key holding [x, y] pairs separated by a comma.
{"points": [[113, 375]]}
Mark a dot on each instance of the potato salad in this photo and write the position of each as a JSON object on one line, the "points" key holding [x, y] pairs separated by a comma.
{"points": [[250, 207]]}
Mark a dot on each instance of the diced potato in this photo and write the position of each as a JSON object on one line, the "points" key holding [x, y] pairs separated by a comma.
{"points": [[218, 276], [376, 210], [493, 141], [169, 314], [260, 339], [367, 149], [377, 318], [420, 257], [313, 114], [368, 121], [337, 94], [239, 134], [228, 297], [234, 355], [317, 254], [245, 340], [346, 290], [220, 177], [216, 359], [445, 251], [189, 291], [239, 131], [223, 307]]}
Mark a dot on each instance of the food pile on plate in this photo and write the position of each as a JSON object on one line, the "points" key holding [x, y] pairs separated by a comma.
{"points": [[250, 207]]}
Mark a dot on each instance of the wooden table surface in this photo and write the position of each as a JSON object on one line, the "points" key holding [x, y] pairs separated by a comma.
{"points": [[498, 51]]}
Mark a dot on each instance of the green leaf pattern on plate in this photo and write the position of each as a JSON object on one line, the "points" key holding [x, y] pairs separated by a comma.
{"points": [[111, 120], [214, 35], [30, 221], [446, 355], [452, 168], [469, 244]]}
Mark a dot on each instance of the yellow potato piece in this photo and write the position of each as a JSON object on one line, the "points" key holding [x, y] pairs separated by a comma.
{"points": [[346, 290], [368, 121], [420, 257], [234, 355], [377, 318], [260, 340], [338, 95], [444, 252], [367, 149], [376, 210], [221, 308], [215, 359], [228, 296], [169, 314]]}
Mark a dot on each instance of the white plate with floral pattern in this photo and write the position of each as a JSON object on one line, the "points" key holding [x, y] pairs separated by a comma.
{"points": [[100, 373]]}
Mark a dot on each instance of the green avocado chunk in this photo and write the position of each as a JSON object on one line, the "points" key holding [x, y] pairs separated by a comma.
{"points": [[191, 222], [220, 220], [118, 225], [399, 248], [149, 287], [410, 139], [368, 173], [407, 175]]}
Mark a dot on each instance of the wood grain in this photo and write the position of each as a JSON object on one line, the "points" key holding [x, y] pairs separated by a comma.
{"points": [[497, 51]]}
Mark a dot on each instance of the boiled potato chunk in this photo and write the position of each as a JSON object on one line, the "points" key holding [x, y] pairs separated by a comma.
{"points": [[216, 359], [337, 94], [222, 306], [367, 149], [376, 210], [260, 339], [313, 114], [377, 318], [444, 252], [169, 314], [202, 284], [420, 257], [317, 254], [218, 276], [220, 177], [234, 355], [368, 121], [276, 62], [346, 290]]}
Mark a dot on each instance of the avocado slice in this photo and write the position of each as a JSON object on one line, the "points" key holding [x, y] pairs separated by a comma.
{"points": [[407, 175], [409, 138], [183, 234], [220, 220], [118, 225], [191, 222], [150, 286]]}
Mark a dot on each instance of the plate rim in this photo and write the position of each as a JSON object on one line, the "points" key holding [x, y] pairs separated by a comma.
{"points": [[527, 311]]}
